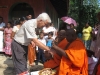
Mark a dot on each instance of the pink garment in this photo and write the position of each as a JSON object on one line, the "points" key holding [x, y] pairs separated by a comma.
{"points": [[7, 40]]}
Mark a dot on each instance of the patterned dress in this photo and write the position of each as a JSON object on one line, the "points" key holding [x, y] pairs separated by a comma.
{"points": [[7, 40]]}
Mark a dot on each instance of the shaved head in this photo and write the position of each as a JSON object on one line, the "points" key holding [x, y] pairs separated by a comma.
{"points": [[62, 32], [71, 31], [71, 35], [61, 35]]}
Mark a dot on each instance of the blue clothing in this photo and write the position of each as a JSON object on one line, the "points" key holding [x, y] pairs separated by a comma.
{"points": [[80, 35], [49, 42]]}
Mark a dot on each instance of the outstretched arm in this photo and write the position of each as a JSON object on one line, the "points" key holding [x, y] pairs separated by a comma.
{"points": [[40, 45], [60, 51]]}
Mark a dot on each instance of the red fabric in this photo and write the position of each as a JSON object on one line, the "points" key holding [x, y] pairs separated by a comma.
{"points": [[98, 70], [24, 73]]}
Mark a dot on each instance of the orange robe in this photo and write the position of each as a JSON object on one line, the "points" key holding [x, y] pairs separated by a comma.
{"points": [[77, 64], [31, 54], [56, 59]]}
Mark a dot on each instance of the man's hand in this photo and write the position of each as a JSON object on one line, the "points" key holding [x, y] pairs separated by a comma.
{"points": [[48, 55], [54, 46], [33, 44]]}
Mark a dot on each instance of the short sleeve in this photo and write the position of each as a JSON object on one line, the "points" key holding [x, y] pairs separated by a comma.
{"points": [[14, 29], [30, 30]]}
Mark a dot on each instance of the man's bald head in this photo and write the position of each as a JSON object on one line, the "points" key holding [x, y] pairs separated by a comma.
{"points": [[71, 35], [62, 34]]}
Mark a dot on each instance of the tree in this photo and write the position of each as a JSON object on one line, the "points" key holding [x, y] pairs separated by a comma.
{"points": [[83, 11]]}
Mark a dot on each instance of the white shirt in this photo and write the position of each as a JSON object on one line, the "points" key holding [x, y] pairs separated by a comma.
{"points": [[42, 41], [49, 29], [26, 32], [1, 26], [15, 29]]}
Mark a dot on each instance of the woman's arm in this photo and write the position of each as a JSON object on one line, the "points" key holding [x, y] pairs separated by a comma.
{"points": [[13, 34]]}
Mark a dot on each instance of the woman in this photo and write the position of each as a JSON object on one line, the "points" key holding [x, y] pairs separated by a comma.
{"points": [[48, 28], [18, 25], [7, 39], [86, 37]]}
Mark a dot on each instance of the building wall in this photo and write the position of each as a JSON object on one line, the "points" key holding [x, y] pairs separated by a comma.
{"points": [[52, 13], [37, 5]]}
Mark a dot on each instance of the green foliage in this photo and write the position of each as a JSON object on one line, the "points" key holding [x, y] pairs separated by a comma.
{"points": [[83, 11]]}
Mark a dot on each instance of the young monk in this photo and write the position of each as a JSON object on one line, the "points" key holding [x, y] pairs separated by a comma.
{"points": [[55, 61], [31, 54], [74, 58]]}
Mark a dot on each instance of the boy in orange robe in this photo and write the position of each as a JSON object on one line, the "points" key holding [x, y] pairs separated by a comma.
{"points": [[31, 54], [74, 59], [55, 61]]}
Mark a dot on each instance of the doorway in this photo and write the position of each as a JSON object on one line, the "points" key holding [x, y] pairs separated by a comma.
{"points": [[20, 10]]}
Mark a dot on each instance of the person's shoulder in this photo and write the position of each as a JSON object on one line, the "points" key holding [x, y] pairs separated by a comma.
{"points": [[15, 26], [51, 27], [30, 21], [90, 27], [3, 24], [11, 28], [78, 43]]}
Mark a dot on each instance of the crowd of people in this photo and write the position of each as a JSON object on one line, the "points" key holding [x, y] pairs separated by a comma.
{"points": [[62, 50]]}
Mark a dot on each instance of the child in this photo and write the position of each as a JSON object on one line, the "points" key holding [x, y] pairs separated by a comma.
{"points": [[49, 40], [39, 50], [92, 61]]}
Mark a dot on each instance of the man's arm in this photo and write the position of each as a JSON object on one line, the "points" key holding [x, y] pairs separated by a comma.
{"points": [[40, 45], [60, 51]]}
